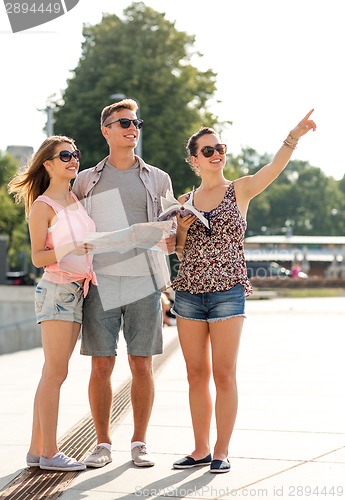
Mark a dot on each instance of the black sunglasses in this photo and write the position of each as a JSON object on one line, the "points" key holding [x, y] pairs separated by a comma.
{"points": [[208, 151], [66, 156], [125, 122]]}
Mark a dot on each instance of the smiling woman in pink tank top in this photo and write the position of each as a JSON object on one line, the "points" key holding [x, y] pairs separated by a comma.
{"points": [[58, 224]]}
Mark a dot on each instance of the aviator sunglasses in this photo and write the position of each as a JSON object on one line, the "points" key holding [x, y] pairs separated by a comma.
{"points": [[125, 122], [66, 156], [208, 151]]}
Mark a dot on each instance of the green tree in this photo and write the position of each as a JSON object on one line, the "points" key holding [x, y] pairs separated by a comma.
{"points": [[142, 56], [247, 163], [8, 168], [12, 216], [302, 200]]}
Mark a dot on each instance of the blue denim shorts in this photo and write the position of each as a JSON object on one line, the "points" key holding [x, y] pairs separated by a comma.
{"points": [[140, 320], [59, 301], [210, 306]]}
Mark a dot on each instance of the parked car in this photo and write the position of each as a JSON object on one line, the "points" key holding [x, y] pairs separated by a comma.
{"points": [[19, 278], [266, 270], [270, 270]]}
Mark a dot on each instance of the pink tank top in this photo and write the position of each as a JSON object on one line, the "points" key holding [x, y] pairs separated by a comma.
{"points": [[71, 226]]}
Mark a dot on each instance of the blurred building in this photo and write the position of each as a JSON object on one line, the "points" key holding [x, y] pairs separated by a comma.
{"points": [[314, 253], [20, 153]]}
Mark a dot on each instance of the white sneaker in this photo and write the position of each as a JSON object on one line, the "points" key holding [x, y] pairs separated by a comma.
{"points": [[32, 460], [61, 462], [141, 457], [100, 457]]}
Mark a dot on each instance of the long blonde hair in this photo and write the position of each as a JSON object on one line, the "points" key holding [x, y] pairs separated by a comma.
{"points": [[28, 185]]}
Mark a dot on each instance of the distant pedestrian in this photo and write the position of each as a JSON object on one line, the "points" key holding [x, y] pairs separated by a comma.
{"points": [[212, 283], [295, 270], [58, 224]]}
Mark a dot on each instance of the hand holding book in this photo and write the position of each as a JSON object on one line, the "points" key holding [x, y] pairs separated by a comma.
{"points": [[171, 207]]}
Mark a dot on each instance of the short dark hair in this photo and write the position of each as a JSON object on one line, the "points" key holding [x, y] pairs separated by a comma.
{"points": [[116, 106]]}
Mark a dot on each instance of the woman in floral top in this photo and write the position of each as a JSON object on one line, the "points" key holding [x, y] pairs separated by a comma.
{"points": [[212, 283]]}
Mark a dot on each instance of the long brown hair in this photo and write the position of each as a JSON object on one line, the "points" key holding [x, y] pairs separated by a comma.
{"points": [[27, 185]]}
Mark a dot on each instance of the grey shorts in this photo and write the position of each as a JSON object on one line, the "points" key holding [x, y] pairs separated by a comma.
{"points": [[141, 319], [59, 301]]}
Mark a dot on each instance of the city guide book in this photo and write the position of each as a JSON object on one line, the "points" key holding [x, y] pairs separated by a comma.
{"points": [[171, 207]]}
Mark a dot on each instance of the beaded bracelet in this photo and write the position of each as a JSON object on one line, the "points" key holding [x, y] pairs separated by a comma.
{"points": [[292, 138], [289, 145], [290, 142]]}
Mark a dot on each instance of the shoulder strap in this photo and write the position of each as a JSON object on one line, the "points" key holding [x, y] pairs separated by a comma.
{"points": [[190, 195], [75, 197], [55, 206], [231, 188]]}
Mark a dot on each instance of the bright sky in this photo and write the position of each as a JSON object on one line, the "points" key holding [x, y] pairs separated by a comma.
{"points": [[275, 61]]}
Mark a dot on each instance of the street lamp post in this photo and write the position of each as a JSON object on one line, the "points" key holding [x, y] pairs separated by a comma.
{"points": [[49, 110], [50, 126], [139, 148]]}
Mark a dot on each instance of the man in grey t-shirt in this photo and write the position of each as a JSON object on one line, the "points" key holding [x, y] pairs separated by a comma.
{"points": [[120, 191]]}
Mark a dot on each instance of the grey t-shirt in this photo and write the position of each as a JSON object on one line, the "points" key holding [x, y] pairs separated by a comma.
{"points": [[119, 200]]}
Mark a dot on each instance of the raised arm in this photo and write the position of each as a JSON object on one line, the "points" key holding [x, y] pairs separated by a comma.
{"points": [[251, 185]]}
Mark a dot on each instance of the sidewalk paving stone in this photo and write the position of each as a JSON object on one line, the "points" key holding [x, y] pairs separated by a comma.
{"points": [[289, 438]]}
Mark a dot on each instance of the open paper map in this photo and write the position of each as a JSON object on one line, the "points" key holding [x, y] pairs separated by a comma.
{"points": [[143, 235]]}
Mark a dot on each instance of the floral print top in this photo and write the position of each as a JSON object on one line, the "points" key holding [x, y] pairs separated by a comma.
{"points": [[213, 259]]}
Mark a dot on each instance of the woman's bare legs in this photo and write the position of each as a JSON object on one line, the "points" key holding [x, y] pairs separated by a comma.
{"points": [[225, 340], [58, 341], [195, 343]]}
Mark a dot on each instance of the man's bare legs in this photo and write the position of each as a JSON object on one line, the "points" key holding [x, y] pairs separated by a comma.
{"points": [[100, 395], [142, 394]]}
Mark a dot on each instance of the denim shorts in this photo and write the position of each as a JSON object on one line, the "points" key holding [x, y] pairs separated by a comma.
{"points": [[210, 306], [59, 301], [141, 320]]}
